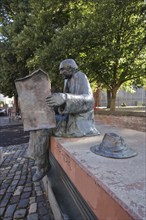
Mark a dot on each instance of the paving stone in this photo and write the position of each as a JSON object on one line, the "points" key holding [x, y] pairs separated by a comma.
{"points": [[48, 217], [42, 209], [24, 176], [17, 177], [6, 169], [18, 173], [32, 200], [4, 176], [39, 193], [25, 170], [2, 211], [1, 178], [21, 198], [37, 184], [15, 199], [20, 167], [28, 184], [13, 170], [29, 176], [33, 216], [18, 190], [23, 203], [4, 185], [27, 189], [20, 213], [10, 210], [2, 191], [14, 182], [37, 188], [33, 193], [10, 176], [28, 181], [40, 198], [8, 181], [8, 218], [25, 195], [11, 188], [1, 197], [22, 182], [15, 166], [33, 208], [23, 161], [5, 200]]}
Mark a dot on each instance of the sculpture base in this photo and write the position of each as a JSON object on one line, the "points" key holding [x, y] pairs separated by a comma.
{"points": [[65, 200], [111, 188]]}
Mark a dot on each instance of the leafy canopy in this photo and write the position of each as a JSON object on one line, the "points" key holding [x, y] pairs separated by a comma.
{"points": [[105, 37]]}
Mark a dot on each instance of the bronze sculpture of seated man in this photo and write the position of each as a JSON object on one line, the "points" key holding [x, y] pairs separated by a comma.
{"points": [[75, 104]]}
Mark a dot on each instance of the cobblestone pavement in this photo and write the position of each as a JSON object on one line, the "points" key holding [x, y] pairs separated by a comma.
{"points": [[13, 135], [20, 197]]}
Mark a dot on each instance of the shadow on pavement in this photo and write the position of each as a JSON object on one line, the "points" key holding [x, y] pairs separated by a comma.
{"points": [[14, 134]]}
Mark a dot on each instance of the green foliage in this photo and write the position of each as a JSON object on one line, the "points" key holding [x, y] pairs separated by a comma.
{"points": [[107, 39], [13, 17]]}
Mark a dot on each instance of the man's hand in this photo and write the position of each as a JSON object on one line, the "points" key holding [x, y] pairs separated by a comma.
{"points": [[56, 99]]}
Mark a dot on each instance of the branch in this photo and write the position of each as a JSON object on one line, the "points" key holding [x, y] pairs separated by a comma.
{"points": [[131, 78], [103, 80]]}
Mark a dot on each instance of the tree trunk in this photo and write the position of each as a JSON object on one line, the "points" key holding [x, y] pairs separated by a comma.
{"points": [[113, 100], [108, 98], [96, 98], [16, 105]]}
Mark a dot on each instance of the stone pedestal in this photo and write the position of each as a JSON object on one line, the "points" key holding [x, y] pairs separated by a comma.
{"points": [[112, 188]]}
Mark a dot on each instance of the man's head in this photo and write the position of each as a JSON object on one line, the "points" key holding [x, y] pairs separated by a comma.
{"points": [[67, 68]]}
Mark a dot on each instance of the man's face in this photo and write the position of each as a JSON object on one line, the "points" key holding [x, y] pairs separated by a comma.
{"points": [[66, 72]]}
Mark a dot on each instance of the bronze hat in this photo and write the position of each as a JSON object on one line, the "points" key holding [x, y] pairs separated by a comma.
{"points": [[113, 146]]}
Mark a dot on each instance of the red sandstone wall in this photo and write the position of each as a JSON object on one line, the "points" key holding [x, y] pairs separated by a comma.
{"points": [[132, 122]]}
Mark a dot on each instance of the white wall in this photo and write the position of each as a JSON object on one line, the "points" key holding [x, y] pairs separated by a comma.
{"points": [[7, 100], [130, 99]]}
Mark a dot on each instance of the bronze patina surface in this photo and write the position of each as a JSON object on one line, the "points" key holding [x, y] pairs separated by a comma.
{"points": [[32, 92], [113, 146]]}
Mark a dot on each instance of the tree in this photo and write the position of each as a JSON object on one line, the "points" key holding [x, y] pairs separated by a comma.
{"points": [[27, 28], [107, 38], [11, 68], [13, 17]]}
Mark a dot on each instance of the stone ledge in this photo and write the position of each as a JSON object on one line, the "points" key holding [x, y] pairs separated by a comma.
{"points": [[127, 121], [113, 188], [120, 113]]}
